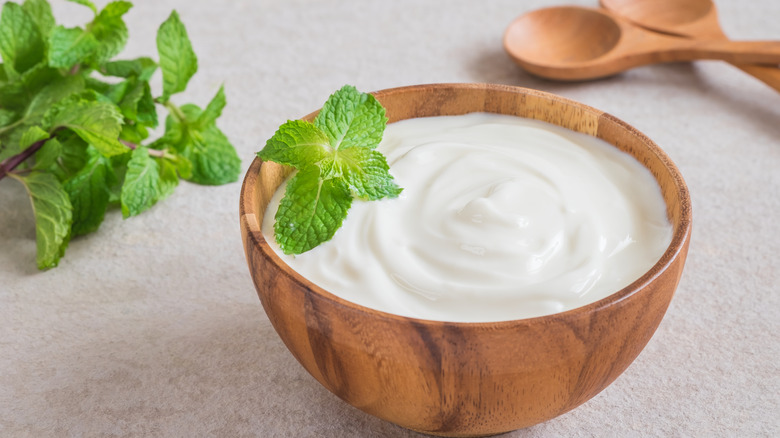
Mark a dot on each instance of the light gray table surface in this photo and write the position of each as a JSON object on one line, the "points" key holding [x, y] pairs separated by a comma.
{"points": [[152, 327]]}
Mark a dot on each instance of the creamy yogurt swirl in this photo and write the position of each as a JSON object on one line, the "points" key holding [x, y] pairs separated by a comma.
{"points": [[501, 218]]}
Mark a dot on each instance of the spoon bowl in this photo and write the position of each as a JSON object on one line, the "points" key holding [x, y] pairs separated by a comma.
{"points": [[575, 43], [570, 37], [692, 18]]}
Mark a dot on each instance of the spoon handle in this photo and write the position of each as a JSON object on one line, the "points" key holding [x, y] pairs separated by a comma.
{"points": [[735, 52]]}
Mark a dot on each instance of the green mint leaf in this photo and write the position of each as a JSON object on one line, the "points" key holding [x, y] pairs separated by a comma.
{"points": [[180, 134], [70, 46], [297, 143], [53, 216], [141, 187], [47, 155], [32, 135], [40, 12], [108, 92], [214, 160], [169, 177], [110, 31], [311, 211], [183, 167], [97, 123], [134, 133], [146, 110], [7, 117], [12, 141], [119, 164], [211, 158], [16, 95], [177, 59], [142, 68], [213, 110], [138, 104], [89, 193], [366, 173], [352, 119], [73, 155], [57, 90], [21, 44], [86, 3]]}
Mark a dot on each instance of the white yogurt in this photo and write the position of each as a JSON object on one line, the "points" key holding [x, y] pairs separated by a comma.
{"points": [[501, 218]]}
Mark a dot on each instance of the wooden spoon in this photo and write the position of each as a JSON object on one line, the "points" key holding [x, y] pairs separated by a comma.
{"points": [[575, 43], [689, 19]]}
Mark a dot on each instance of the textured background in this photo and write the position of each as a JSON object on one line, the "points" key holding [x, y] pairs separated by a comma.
{"points": [[151, 326]]}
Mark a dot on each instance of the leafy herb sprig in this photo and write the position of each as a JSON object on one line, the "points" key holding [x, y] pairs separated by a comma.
{"points": [[336, 161], [74, 123]]}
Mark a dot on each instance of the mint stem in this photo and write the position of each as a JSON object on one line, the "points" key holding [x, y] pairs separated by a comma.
{"points": [[175, 111], [153, 152], [9, 164]]}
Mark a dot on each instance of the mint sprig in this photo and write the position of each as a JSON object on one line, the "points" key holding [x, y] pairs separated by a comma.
{"points": [[74, 122], [336, 162]]}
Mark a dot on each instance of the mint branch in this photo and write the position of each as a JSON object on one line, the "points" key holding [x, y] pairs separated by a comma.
{"points": [[175, 111], [79, 143], [9, 164], [336, 161], [152, 152]]}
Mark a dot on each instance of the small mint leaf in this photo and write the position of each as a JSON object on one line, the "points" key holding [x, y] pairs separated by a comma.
{"points": [[183, 167], [70, 46], [73, 156], [142, 68], [54, 92], [213, 110], [21, 44], [352, 119], [32, 135], [97, 123], [146, 110], [297, 143], [141, 187], [40, 12], [108, 92], [48, 154], [169, 178], [110, 31], [177, 59], [134, 133], [214, 160], [138, 104], [53, 216], [366, 173], [89, 193], [311, 211], [15, 95]]}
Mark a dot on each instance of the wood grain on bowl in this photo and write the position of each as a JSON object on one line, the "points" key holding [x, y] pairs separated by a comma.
{"points": [[469, 379]]}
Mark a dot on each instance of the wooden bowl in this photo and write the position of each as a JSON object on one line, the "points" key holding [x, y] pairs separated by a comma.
{"points": [[469, 379]]}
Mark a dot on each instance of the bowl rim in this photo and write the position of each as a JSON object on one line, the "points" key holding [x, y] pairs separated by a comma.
{"points": [[250, 222]]}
